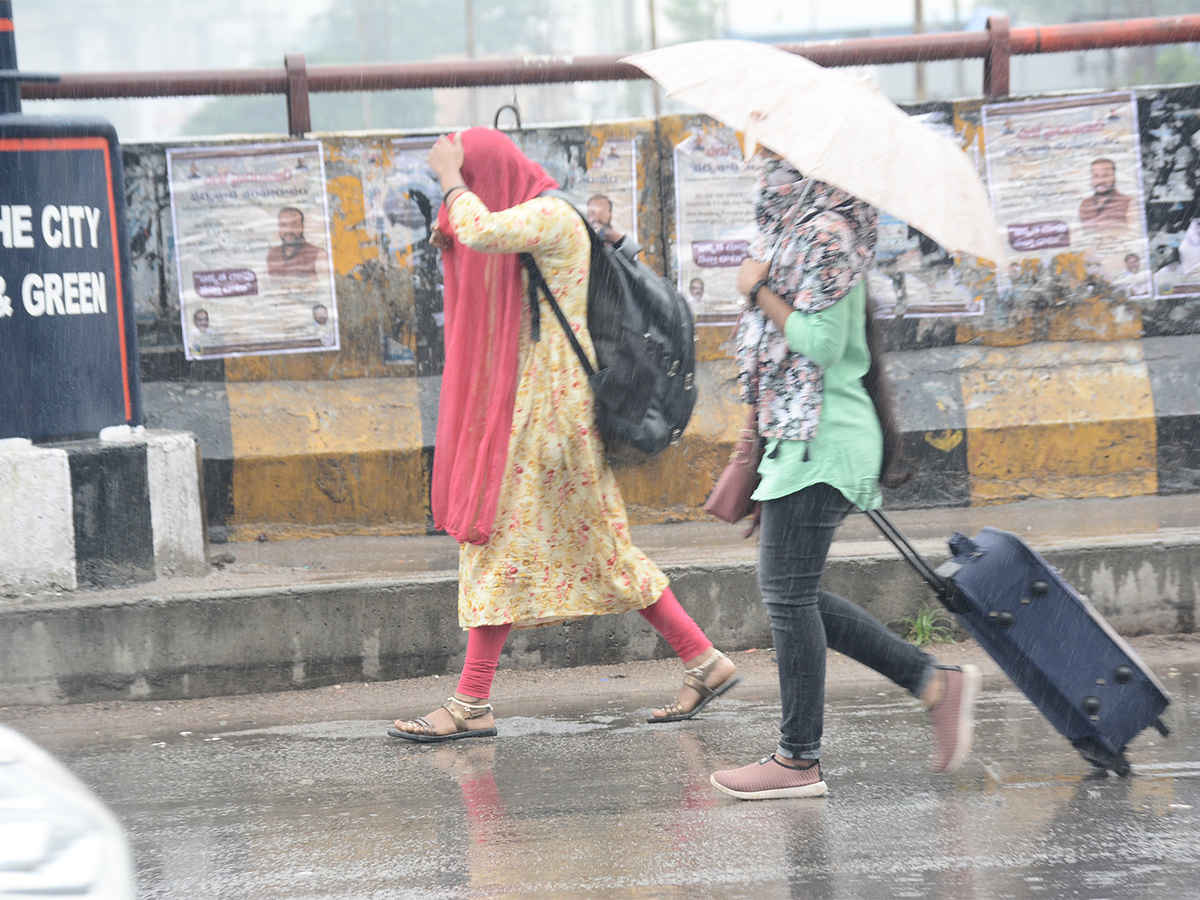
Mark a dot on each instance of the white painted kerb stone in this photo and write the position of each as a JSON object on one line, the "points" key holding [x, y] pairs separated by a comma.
{"points": [[176, 495], [37, 526], [176, 516]]}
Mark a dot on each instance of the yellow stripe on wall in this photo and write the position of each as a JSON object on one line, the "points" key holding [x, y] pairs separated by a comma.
{"points": [[1060, 420], [320, 453]]}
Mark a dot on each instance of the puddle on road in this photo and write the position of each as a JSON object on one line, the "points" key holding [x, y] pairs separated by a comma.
{"points": [[508, 726], [528, 726]]}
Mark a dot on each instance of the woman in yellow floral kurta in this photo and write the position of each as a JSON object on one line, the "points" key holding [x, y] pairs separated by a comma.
{"points": [[560, 545], [540, 520]]}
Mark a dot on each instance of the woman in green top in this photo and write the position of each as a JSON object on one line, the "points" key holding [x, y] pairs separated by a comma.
{"points": [[805, 364]]}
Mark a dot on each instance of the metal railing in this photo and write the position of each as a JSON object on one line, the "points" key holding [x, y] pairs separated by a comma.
{"points": [[296, 80]]}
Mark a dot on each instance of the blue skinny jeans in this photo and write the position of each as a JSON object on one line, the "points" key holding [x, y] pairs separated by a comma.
{"points": [[797, 531]]}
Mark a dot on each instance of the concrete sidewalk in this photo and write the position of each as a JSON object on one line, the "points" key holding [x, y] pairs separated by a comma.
{"points": [[304, 613]]}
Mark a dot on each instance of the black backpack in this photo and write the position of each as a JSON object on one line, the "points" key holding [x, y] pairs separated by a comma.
{"points": [[644, 336]]}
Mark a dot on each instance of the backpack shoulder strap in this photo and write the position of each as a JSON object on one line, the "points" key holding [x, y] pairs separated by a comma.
{"points": [[537, 283]]}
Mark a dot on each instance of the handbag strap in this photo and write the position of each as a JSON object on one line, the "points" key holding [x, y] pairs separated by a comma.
{"points": [[537, 282]]}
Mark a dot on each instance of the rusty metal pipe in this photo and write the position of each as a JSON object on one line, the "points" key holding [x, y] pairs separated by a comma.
{"points": [[335, 78], [471, 73], [1104, 35], [997, 64], [208, 82], [889, 50], [550, 70]]}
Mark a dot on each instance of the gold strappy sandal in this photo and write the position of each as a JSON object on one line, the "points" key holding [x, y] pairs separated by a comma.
{"points": [[452, 706], [694, 678]]}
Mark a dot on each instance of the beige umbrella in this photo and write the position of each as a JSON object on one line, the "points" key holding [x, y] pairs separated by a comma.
{"points": [[835, 128]]}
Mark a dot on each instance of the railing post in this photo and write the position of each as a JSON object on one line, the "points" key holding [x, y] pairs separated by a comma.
{"points": [[299, 116], [996, 63]]}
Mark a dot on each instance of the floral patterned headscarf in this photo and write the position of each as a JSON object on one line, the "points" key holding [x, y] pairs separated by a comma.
{"points": [[819, 241]]}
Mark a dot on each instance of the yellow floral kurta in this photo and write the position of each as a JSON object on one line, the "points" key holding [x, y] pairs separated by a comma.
{"points": [[560, 546]]}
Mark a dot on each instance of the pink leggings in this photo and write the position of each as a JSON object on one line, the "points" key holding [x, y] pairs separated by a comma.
{"points": [[484, 643]]}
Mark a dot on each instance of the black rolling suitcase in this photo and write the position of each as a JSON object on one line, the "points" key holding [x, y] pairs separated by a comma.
{"points": [[1048, 638]]}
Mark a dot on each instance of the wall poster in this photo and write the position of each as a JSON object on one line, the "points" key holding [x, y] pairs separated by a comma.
{"points": [[715, 221], [1170, 133], [913, 275], [1065, 181], [253, 249], [607, 191], [405, 206]]}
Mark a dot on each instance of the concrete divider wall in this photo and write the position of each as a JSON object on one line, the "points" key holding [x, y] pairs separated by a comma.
{"points": [[1071, 392]]}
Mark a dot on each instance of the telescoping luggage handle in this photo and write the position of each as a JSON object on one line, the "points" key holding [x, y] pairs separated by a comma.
{"points": [[936, 578]]}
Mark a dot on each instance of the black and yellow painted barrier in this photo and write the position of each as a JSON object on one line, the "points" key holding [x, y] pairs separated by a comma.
{"points": [[1050, 420]]}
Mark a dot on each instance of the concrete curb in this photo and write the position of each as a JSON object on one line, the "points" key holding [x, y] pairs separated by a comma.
{"points": [[163, 645]]}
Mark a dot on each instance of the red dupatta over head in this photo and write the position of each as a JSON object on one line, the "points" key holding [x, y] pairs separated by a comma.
{"points": [[483, 300]]}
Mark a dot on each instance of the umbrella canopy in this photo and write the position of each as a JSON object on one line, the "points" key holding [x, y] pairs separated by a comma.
{"points": [[835, 128]]}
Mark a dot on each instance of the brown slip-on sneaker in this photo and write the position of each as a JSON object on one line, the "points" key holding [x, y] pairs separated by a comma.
{"points": [[769, 779], [954, 718]]}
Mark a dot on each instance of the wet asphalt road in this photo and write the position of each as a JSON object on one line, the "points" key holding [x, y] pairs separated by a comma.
{"points": [[302, 795]]}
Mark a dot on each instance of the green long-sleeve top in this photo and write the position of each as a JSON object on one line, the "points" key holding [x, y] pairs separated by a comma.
{"points": [[847, 451]]}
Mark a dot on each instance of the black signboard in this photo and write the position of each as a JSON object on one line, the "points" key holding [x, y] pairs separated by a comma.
{"points": [[68, 342]]}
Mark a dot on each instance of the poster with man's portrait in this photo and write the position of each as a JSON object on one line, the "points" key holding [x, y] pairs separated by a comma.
{"points": [[253, 249], [1066, 189], [607, 192]]}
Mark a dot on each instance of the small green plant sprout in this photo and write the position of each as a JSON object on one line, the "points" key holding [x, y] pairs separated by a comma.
{"points": [[928, 626]]}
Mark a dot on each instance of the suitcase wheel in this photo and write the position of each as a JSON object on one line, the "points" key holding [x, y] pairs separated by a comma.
{"points": [[1100, 758]]}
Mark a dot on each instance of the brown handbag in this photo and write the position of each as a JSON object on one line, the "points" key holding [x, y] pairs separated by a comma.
{"points": [[730, 498]]}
